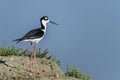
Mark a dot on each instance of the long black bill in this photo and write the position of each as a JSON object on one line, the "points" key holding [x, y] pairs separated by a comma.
{"points": [[53, 22]]}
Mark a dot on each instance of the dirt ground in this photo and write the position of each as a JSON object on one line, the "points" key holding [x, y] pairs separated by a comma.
{"points": [[17, 68]]}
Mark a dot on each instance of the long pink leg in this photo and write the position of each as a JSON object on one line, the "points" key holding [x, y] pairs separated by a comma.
{"points": [[30, 57], [35, 60]]}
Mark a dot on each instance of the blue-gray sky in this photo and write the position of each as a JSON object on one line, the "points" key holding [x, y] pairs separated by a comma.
{"points": [[88, 34]]}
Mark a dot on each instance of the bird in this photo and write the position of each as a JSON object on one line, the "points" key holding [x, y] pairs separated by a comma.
{"points": [[34, 36]]}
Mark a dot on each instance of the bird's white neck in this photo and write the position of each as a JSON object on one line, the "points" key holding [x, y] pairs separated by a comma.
{"points": [[43, 25]]}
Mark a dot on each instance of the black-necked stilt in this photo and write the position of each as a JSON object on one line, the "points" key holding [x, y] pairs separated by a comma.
{"points": [[35, 35]]}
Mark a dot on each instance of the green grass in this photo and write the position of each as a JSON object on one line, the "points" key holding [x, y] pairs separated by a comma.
{"points": [[10, 51], [75, 72]]}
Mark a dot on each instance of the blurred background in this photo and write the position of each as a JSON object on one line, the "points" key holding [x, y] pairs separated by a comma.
{"points": [[87, 35]]}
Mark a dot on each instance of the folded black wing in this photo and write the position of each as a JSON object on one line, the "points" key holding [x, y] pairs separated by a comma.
{"points": [[35, 33]]}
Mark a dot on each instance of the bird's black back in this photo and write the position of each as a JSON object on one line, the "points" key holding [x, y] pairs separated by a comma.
{"points": [[33, 34]]}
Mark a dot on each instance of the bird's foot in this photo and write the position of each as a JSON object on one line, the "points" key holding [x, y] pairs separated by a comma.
{"points": [[38, 72], [30, 70]]}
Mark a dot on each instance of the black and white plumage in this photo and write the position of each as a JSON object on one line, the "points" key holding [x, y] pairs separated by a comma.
{"points": [[35, 35]]}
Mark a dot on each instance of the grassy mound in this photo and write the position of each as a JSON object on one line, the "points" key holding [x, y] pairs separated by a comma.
{"points": [[16, 68]]}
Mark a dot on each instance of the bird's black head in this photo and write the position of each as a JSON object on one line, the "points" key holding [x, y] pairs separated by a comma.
{"points": [[45, 20]]}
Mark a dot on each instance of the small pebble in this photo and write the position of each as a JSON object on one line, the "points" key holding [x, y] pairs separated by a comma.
{"points": [[11, 59]]}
